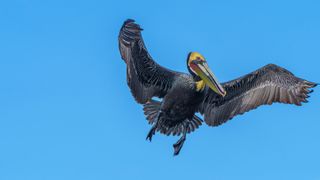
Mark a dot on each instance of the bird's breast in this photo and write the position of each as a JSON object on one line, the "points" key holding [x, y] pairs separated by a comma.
{"points": [[181, 102]]}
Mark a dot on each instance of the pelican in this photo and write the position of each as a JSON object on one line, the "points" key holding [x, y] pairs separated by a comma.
{"points": [[182, 95]]}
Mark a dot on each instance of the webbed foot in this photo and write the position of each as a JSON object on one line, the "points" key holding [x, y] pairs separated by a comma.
{"points": [[178, 145], [151, 133]]}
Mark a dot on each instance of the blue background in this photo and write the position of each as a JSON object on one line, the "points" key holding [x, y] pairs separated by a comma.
{"points": [[66, 111]]}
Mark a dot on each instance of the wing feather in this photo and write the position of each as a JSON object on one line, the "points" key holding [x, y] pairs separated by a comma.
{"points": [[266, 85], [144, 76]]}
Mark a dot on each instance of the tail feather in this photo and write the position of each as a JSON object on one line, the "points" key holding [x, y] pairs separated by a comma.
{"points": [[151, 109]]}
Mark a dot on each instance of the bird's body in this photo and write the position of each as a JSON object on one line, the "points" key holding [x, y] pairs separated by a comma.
{"points": [[185, 94], [181, 101]]}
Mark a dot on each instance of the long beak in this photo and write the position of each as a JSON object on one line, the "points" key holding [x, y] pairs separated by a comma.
{"points": [[203, 70]]}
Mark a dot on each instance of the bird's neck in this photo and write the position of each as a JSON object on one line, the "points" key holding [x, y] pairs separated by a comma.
{"points": [[200, 85]]}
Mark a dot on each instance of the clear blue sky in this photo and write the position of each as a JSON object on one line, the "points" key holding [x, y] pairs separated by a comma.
{"points": [[67, 113]]}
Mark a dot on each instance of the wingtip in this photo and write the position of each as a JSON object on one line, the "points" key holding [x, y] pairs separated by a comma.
{"points": [[129, 20], [129, 32], [309, 90], [310, 84], [131, 23], [313, 84]]}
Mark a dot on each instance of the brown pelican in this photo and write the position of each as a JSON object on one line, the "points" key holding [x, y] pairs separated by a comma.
{"points": [[185, 94]]}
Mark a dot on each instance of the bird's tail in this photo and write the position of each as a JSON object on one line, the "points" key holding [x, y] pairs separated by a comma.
{"points": [[151, 109]]}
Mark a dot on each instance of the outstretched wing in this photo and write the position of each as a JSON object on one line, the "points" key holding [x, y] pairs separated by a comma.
{"points": [[266, 85], [144, 76]]}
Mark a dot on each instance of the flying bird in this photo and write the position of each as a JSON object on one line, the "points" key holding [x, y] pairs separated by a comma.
{"points": [[184, 94]]}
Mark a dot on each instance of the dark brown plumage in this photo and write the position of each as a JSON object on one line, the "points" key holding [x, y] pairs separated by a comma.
{"points": [[185, 94], [266, 85]]}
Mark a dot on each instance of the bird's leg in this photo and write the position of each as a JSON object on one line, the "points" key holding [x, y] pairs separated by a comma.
{"points": [[154, 127], [178, 145], [151, 132]]}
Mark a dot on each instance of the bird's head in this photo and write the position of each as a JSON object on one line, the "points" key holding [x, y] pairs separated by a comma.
{"points": [[199, 69]]}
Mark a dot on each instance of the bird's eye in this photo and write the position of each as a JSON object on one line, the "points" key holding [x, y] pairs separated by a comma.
{"points": [[198, 58], [198, 61]]}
